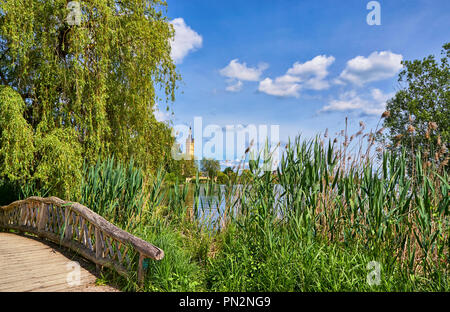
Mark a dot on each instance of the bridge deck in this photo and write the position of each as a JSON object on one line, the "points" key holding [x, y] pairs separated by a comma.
{"points": [[28, 264]]}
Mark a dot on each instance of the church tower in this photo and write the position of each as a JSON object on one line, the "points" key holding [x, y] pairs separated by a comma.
{"points": [[190, 145]]}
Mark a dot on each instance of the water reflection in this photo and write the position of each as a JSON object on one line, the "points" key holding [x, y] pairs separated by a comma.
{"points": [[211, 204]]}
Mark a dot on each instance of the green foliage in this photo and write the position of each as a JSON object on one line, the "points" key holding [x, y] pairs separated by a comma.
{"points": [[177, 272], [314, 226], [16, 138], [59, 162], [210, 167], [228, 170], [189, 168], [49, 161], [246, 176], [114, 191], [247, 263], [99, 78], [222, 178], [171, 178], [419, 114], [182, 168]]}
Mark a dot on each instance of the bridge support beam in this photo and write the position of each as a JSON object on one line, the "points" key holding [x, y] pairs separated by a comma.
{"points": [[141, 272]]}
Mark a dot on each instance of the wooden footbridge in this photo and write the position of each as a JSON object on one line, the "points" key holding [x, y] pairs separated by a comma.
{"points": [[30, 260]]}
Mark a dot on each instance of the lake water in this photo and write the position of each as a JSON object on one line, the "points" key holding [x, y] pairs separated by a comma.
{"points": [[210, 208]]}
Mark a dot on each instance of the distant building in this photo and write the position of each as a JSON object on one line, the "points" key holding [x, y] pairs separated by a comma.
{"points": [[190, 145]]}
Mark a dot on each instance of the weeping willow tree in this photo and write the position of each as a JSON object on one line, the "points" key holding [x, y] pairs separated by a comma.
{"points": [[16, 138], [98, 71]]}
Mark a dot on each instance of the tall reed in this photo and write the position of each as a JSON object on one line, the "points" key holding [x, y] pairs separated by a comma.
{"points": [[314, 223], [114, 191]]}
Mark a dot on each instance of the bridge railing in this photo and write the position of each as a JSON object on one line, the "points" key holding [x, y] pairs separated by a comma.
{"points": [[78, 228]]}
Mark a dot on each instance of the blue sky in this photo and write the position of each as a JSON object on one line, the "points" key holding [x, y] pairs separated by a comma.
{"points": [[302, 65]]}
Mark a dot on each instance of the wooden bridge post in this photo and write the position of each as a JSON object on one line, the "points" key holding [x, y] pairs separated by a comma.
{"points": [[141, 272], [42, 218], [23, 210], [68, 235], [2, 219], [98, 247]]}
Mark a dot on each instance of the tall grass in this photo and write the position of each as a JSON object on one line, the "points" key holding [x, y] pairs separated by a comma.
{"points": [[114, 191], [313, 225]]}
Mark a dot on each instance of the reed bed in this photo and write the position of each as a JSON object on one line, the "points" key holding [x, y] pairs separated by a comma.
{"points": [[332, 207]]}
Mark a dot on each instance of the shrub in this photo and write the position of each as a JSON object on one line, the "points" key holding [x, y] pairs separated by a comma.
{"points": [[59, 166], [16, 138], [222, 178]]}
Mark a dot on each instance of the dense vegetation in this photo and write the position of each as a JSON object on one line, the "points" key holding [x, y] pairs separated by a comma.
{"points": [[96, 81], [71, 97], [419, 113], [315, 225], [74, 93]]}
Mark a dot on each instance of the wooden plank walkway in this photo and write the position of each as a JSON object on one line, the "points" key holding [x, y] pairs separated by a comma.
{"points": [[29, 264]]}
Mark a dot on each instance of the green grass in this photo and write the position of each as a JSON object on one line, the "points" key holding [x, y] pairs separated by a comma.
{"points": [[318, 232], [315, 225]]}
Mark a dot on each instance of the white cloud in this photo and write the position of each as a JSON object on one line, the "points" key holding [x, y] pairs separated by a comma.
{"points": [[285, 86], [185, 41], [338, 82], [313, 72], [308, 75], [236, 70], [316, 84], [235, 87], [378, 66], [370, 104]]}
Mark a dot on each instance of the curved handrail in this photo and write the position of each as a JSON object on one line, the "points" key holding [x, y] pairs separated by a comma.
{"points": [[80, 229]]}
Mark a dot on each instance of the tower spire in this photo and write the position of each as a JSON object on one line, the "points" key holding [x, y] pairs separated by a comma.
{"points": [[190, 145]]}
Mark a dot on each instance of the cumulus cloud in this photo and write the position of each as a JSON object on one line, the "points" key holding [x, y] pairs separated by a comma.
{"points": [[185, 40], [285, 86], [309, 75], [377, 66], [238, 72], [236, 87], [313, 72], [373, 103]]}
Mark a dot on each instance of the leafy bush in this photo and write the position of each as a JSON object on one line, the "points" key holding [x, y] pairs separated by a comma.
{"points": [[45, 160], [59, 165], [16, 138], [222, 178]]}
